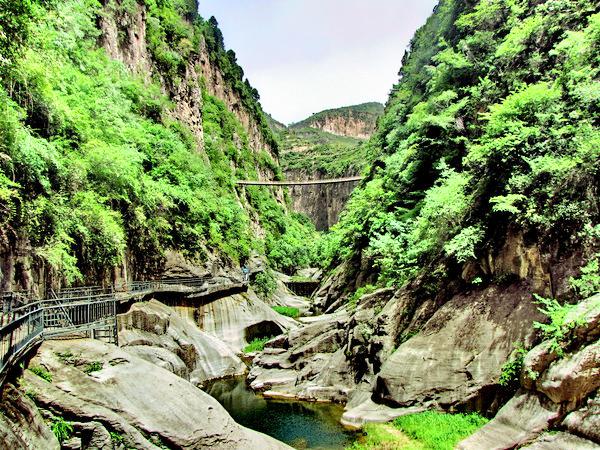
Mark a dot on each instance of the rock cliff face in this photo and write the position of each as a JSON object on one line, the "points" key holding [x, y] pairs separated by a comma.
{"points": [[123, 34], [329, 144], [352, 121], [558, 391], [322, 203]]}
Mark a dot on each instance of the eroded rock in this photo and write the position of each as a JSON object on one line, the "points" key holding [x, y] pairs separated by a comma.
{"points": [[139, 400], [460, 351], [520, 421], [156, 333]]}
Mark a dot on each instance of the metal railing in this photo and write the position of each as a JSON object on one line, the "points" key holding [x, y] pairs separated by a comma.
{"points": [[19, 335], [88, 310]]}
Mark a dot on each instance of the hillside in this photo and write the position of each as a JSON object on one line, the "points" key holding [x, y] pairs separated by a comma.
{"points": [[356, 121], [122, 130], [486, 193]]}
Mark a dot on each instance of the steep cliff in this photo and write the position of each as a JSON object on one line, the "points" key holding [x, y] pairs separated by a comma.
{"points": [[124, 126], [358, 121]]}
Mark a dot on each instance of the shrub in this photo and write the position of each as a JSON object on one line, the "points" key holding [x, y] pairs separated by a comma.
{"points": [[511, 370], [588, 283], [42, 373], [61, 429], [354, 298], [287, 311], [94, 366], [117, 438], [558, 330], [264, 283]]}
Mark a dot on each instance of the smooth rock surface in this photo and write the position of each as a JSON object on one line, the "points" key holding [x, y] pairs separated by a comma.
{"points": [[520, 421], [156, 333], [561, 441], [238, 319], [459, 353], [136, 399], [369, 411]]}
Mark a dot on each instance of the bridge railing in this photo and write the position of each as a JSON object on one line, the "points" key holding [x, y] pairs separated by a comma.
{"points": [[19, 334], [78, 310], [78, 316]]}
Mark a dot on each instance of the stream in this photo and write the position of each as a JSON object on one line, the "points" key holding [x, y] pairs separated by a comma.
{"points": [[303, 425]]}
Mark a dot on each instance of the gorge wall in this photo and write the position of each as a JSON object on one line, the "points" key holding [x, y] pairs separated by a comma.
{"points": [[323, 204], [147, 174]]}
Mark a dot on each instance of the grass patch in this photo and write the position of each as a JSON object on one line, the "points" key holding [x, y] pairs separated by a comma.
{"points": [[384, 436], [430, 430], [117, 438], [257, 345], [287, 311], [42, 373], [439, 431], [94, 366]]}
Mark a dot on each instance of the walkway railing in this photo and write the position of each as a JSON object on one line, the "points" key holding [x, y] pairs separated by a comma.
{"points": [[88, 310]]}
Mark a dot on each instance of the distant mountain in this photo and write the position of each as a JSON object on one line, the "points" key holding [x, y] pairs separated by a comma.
{"points": [[358, 121]]}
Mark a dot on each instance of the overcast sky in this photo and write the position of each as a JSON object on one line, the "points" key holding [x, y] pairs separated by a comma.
{"points": [[304, 56]]}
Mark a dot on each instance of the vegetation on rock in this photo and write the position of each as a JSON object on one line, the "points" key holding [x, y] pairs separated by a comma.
{"points": [[307, 148], [257, 344], [61, 429], [93, 164], [287, 311], [492, 127]]}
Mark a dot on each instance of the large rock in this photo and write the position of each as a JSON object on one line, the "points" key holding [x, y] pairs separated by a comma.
{"points": [[563, 389], [156, 333], [561, 441], [144, 403], [586, 420], [460, 352], [21, 424], [307, 364], [520, 421], [238, 319], [573, 377]]}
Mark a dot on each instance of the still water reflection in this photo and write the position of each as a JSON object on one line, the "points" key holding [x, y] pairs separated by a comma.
{"points": [[302, 425]]}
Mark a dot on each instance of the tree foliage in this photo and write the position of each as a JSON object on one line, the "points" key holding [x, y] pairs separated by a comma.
{"points": [[493, 124]]}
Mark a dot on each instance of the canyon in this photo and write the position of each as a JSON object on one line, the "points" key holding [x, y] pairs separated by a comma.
{"points": [[459, 277]]}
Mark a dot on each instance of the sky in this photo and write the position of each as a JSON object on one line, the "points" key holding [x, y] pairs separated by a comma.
{"points": [[305, 56]]}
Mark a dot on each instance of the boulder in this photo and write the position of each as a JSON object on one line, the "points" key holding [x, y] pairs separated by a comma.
{"points": [[520, 421], [149, 406], [21, 424], [586, 420], [560, 441], [156, 333], [459, 354], [572, 378]]}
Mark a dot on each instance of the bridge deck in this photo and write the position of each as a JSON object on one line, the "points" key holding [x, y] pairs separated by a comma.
{"points": [[299, 182]]}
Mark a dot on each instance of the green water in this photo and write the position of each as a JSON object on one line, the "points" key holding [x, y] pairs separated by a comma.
{"points": [[303, 425]]}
